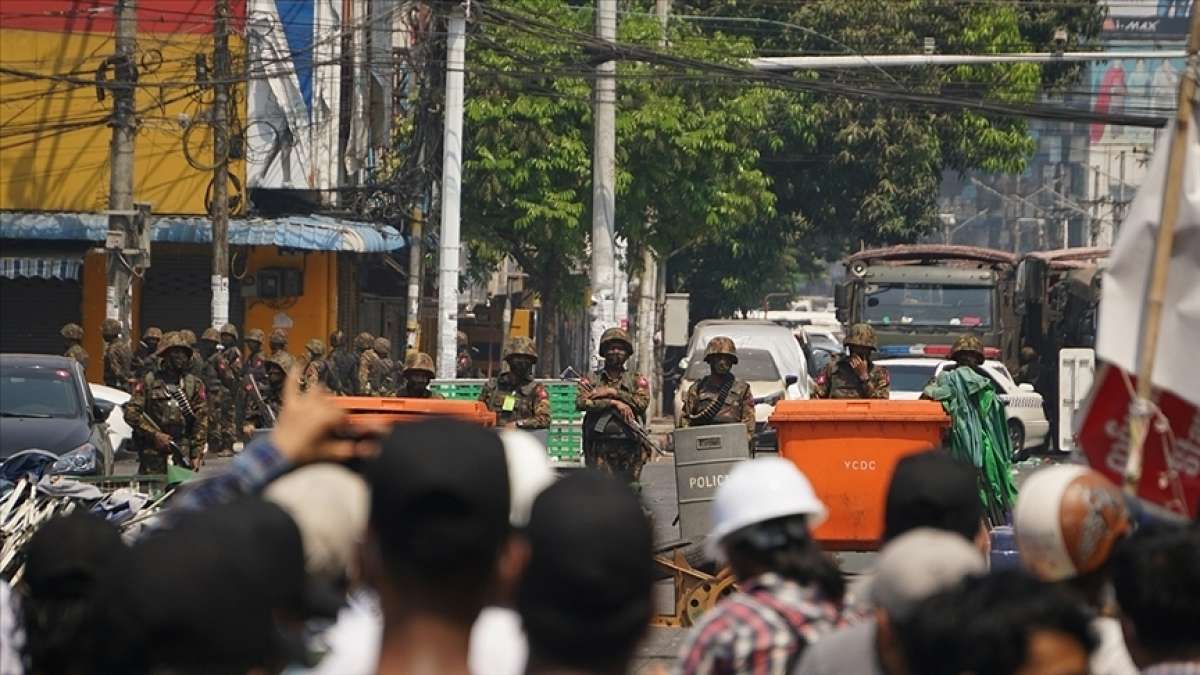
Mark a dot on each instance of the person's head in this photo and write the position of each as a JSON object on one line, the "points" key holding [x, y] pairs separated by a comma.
{"points": [[337, 339], [277, 367], [721, 355], [315, 348], [221, 591], [189, 337], [911, 568], [1156, 574], [933, 489], [382, 347], [762, 517], [1005, 623], [438, 519], [1028, 354], [175, 353], [254, 340], [72, 333], [229, 336], [70, 562], [363, 341], [110, 329], [586, 597], [967, 350], [520, 356], [151, 338], [279, 340], [418, 371], [1067, 522], [615, 347], [861, 340], [208, 342]]}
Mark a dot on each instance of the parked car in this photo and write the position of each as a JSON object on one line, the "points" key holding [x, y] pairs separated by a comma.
{"points": [[45, 404], [120, 435], [1027, 425], [820, 345], [768, 335]]}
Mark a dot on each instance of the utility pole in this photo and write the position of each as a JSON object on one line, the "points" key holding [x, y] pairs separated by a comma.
{"points": [[219, 209], [604, 167], [456, 47], [416, 226], [121, 214], [1099, 238]]}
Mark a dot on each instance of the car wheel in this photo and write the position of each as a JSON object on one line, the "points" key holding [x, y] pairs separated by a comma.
{"points": [[1016, 438]]}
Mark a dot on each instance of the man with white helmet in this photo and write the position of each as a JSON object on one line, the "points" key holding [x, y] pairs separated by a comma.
{"points": [[1068, 521], [790, 591]]}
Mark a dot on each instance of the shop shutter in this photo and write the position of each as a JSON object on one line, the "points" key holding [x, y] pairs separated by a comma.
{"points": [[176, 293], [34, 311]]}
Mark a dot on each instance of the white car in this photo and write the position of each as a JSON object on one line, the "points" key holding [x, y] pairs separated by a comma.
{"points": [[119, 433], [1027, 425]]}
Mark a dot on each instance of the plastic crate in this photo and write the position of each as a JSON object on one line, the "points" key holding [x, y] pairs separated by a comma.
{"points": [[458, 390]]}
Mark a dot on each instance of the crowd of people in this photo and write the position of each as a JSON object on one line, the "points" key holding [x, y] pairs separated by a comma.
{"points": [[445, 547]]}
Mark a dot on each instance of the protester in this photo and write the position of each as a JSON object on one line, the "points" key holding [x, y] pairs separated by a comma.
{"points": [[437, 524], [790, 591], [1067, 522], [69, 564], [586, 596], [1005, 623], [911, 568], [1157, 579]]}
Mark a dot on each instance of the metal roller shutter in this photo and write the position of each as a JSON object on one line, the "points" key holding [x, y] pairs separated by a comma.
{"points": [[176, 293], [34, 310]]}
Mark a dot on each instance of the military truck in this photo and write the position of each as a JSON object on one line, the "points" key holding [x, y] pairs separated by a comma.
{"points": [[920, 298]]}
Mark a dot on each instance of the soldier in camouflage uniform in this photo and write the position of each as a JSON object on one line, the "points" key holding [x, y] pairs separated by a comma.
{"points": [[197, 360], [279, 342], [612, 399], [317, 371], [381, 371], [364, 350], [228, 363], [214, 391], [73, 335], [168, 406], [514, 395], [262, 406], [719, 397], [144, 359], [118, 359], [418, 373], [855, 376], [255, 362], [464, 363], [343, 365]]}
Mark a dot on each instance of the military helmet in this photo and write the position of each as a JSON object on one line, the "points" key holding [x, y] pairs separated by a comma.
{"points": [[315, 346], [189, 336], [861, 335], [364, 340], [462, 340], [720, 345], [520, 346], [211, 334], [615, 335], [419, 361], [967, 343], [72, 331], [173, 340], [281, 359], [279, 336], [229, 329], [110, 327], [336, 339], [382, 344], [255, 335], [152, 332]]}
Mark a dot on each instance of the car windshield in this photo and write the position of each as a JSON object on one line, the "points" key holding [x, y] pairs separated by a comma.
{"points": [[910, 378], [755, 365], [928, 305], [822, 341], [37, 391]]}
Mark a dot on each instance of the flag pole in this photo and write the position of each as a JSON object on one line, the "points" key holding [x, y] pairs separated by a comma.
{"points": [[1139, 414]]}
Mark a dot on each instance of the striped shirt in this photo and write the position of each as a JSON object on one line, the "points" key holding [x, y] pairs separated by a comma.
{"points": [[761, 630]]}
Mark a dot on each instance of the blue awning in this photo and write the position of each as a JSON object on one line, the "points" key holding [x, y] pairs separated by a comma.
{"points": [[41, 268], [314, 233]]}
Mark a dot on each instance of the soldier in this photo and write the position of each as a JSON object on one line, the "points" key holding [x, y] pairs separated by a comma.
{"points": [[343, 365], [73, 335], [382, 371], [364, 348], [1030, 370], [418, 373], [719, 397], [317, 370], [255, 362], [855, 376], [262, 404], [613, 399], [118, 359], [229, 373], [197, 360], [464, 363], [514, 395], [968, 351], [279, 341], [168, 408], [144, 358], [214, 390]]}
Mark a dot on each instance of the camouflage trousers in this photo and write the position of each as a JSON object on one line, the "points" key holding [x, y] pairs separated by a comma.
{"points": [[223, 428], [618, 457]]}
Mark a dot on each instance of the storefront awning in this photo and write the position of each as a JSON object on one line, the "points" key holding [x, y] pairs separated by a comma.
{"points": [[41, 268], [314, 233]]}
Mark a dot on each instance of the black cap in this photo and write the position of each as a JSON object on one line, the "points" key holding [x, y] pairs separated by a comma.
{"points": [[935, 490], [439, 499], [585, 597], [67, 555]]}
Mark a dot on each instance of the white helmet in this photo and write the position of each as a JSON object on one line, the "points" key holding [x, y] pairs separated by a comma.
{"points": [[1067, 520], [757, 491], [529, 472]]}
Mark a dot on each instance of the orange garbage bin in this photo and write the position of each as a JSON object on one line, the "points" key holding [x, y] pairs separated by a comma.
{"points": [[848, 449], [374, 409]]}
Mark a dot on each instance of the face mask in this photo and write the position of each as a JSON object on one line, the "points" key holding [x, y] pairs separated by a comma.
{"points": [[418, 381], [178, 360], [520, 366], [721, 365], [615, 357]]}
